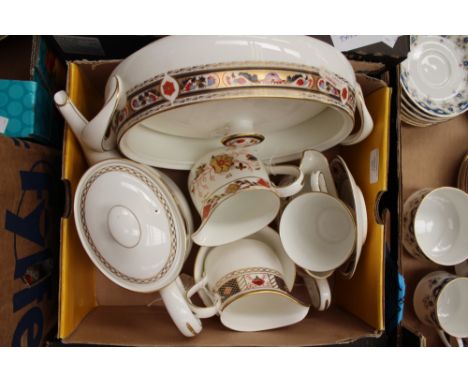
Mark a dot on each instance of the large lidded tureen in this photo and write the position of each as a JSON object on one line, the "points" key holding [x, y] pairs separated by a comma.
{"points": [[181, 96]]}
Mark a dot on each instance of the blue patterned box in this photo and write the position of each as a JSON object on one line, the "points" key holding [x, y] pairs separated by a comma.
{"points": [[27, 111]]}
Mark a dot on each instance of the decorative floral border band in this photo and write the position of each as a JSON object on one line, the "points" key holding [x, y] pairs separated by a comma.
{"points": [[229, 81], [249, 279]]}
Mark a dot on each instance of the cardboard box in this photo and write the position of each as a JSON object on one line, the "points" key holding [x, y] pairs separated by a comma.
{"points": [[29, 75], [93, 310], [94, 47], [30, 201], [430, 157]]}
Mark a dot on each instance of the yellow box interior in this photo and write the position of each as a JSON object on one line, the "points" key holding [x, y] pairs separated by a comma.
{"points": [[93, 310]]}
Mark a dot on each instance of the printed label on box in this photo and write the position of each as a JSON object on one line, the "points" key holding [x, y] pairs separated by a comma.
{"points": [[3, 124], [374, 166]]}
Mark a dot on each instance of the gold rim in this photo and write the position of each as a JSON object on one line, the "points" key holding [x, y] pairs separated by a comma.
{"points": [[190, 328], [413, 222], [455, 278], [254, 188], [265, 291], [315, 276], [235, 94], [353, 219], [225, 141]]}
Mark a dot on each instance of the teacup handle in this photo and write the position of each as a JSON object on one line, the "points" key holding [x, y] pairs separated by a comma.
{"points": [[179, 308], [317, 182], [292, 188], [446, 341], [319, 291], [205, 311], [366, 121]]}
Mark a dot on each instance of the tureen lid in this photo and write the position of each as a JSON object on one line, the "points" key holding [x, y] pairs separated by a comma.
{"points": [[129, 225]]}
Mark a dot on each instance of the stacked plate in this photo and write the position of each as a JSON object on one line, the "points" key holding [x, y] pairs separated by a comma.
{"points": [[462, 182], [434, 80]]}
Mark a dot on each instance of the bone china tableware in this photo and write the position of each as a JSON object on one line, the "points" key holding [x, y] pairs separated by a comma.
{"points": [[352, 195], [268, 236], [318, 232], [248, 292], [434, 79], [232, 192], [181, 95], [441, 300], [133, 221], [435, 223], [133, 230]]}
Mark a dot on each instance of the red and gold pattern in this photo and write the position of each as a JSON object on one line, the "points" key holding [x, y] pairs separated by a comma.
{"points": [[245, 280], [235, 80], [222, 164]]}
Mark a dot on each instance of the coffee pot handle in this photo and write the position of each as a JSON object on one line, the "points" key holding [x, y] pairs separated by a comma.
{"points": [[205, 311], [443, 336], [179, 308], [291, 188], [366, 121]]}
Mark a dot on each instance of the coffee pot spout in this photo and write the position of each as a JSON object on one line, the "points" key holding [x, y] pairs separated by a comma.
{"points": [[95, 136], [74, 118]]}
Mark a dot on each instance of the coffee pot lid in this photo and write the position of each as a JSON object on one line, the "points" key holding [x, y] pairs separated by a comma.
{"points": [[129, 225]]}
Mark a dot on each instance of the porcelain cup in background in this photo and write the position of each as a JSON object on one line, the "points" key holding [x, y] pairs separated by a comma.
{"points": [[441, 300], [318, 231], [246, 283], [435, 223], [232, 191]]}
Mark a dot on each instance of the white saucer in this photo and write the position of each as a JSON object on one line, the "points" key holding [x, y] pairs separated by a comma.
{"points": [[434, 75], [352, 195]]}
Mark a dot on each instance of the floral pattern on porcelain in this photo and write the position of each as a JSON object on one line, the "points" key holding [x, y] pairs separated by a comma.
{"points": [[219, 168], [238, 80], [433, 287], [409, 212], [272, 78], [249, 279], [459, 101], [143, 99], [199, 82]]}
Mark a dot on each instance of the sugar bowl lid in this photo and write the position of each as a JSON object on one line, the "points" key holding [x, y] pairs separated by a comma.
{"points": [[129, 224]]}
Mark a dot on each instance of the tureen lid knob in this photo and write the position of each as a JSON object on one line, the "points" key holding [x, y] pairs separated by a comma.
{"points": [[124, 226]]}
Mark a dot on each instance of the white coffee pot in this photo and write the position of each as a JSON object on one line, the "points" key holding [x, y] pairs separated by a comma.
{"points": [[116, 233]]}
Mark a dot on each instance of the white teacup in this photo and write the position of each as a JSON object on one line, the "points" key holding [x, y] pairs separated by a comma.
{"points": [[318, 231], [441, 300], [245, 281], [435, 225], [233, 194]]}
